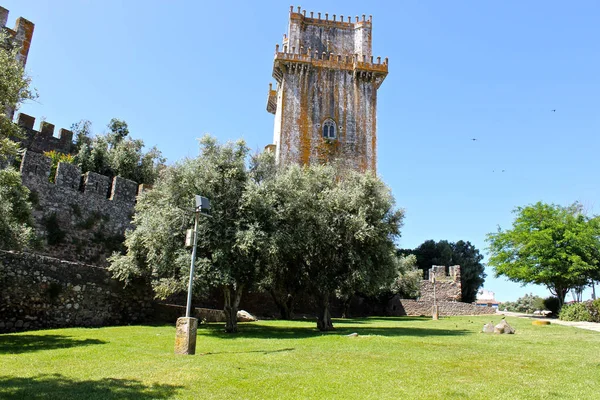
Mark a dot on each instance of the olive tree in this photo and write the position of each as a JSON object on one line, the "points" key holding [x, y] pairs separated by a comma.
{"points": [[229, 246], [331, 232]]}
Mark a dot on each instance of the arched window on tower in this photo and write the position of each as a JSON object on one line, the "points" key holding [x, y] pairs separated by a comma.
{"points": [[329, 129]]}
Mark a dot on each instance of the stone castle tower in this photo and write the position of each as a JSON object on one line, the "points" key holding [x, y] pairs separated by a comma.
{"points": [[22, 33], [326, 92]]}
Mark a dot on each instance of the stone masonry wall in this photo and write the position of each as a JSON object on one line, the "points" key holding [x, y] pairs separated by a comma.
{"points": [[80, 218], [447, 286], [41, 292], [403, 307]]}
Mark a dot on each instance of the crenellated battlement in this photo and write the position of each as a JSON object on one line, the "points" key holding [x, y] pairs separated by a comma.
{"points": [[323, 19], [43, 139], [439, 273], [22, 33], [293, 60], [35, 170]]}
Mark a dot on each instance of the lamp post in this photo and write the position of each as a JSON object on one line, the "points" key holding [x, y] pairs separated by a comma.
{"points": [[185, 336]]}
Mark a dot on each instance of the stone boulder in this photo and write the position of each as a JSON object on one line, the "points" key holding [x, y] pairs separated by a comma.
{"points": [[488, 328], [245, 316], [504, 327]]}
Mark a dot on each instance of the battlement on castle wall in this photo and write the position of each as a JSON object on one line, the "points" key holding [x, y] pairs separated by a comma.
{"points": [[329, 59], [35, 168], [317, 19], [22, 33], [43, 139]]}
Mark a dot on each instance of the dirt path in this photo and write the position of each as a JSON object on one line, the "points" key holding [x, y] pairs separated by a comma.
{"points": [[592, 326]]}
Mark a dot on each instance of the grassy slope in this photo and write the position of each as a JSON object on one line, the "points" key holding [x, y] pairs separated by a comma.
{"points": [[407, 358]]}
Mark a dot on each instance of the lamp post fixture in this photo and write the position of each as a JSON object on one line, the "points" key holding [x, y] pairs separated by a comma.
{"points": [[185, 336]]}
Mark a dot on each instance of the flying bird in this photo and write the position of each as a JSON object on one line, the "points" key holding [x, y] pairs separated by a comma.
{"points": [[553, 110], [473, 139]]}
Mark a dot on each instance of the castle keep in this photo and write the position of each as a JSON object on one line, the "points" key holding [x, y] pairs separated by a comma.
{"points": [[326, 92]]}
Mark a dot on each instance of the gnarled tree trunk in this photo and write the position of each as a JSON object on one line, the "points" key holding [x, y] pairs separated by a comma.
{"points": [[284, 302], [233, 295], [324, 315]]}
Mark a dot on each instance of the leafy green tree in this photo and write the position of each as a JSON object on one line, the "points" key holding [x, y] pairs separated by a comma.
{"points": [[15, 209], [472, 271], [230, 248], [331, 233], [14, 89], [550, 245], [16, 229], [408, 282]]}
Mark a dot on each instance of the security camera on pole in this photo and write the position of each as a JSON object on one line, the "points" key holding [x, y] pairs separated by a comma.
{"points": [[185, 336]]}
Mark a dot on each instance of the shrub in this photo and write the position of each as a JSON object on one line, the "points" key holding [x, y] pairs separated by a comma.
{"points": [[552, 304], [526, 304], [575, 312], [594, 309]]}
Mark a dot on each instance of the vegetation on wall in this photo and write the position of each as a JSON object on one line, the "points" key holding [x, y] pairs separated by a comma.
{"points": [[115, 153], [14, 90]]}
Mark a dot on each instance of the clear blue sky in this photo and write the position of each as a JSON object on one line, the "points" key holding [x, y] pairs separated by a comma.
{"points": [[490, 70]]}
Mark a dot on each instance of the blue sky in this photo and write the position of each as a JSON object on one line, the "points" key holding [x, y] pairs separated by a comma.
{"points": [[489, 70]]}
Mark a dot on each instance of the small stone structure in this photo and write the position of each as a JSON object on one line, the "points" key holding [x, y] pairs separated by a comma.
{"points": [[447, 296], [43, 292], [82, 217]]}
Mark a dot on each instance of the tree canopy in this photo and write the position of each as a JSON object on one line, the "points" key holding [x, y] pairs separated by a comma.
{"points": [[551, 245], [227, 250], [332, 233], [313, 229]]}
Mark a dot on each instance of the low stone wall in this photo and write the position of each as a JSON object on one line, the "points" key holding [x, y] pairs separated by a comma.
{"points": [[403, 307], [42, 292], [170, 312]]}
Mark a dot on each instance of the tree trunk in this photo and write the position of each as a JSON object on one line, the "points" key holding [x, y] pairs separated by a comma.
{"points": [[285, 303], [324, 316], [346, 307], [560, 293], [231, 306]]}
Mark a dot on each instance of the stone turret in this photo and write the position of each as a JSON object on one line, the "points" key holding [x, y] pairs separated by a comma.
{"points": [[22, 33]]}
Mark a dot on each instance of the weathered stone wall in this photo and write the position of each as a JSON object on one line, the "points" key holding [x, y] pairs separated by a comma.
{"points": [[324, 71], [43, 139], [41, 292], [403, 307], [447, 286], [80, 218]]}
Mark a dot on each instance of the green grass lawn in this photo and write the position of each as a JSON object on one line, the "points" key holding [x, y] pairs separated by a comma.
{"points": [[395, 358]]}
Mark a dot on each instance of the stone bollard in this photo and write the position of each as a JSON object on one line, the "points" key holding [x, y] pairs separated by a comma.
{"points": [[185, 335]]}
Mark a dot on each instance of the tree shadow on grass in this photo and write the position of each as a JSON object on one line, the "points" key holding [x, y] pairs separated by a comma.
{"points": [[17, 344], [257, 331], [56, 386], [210, 353]]}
